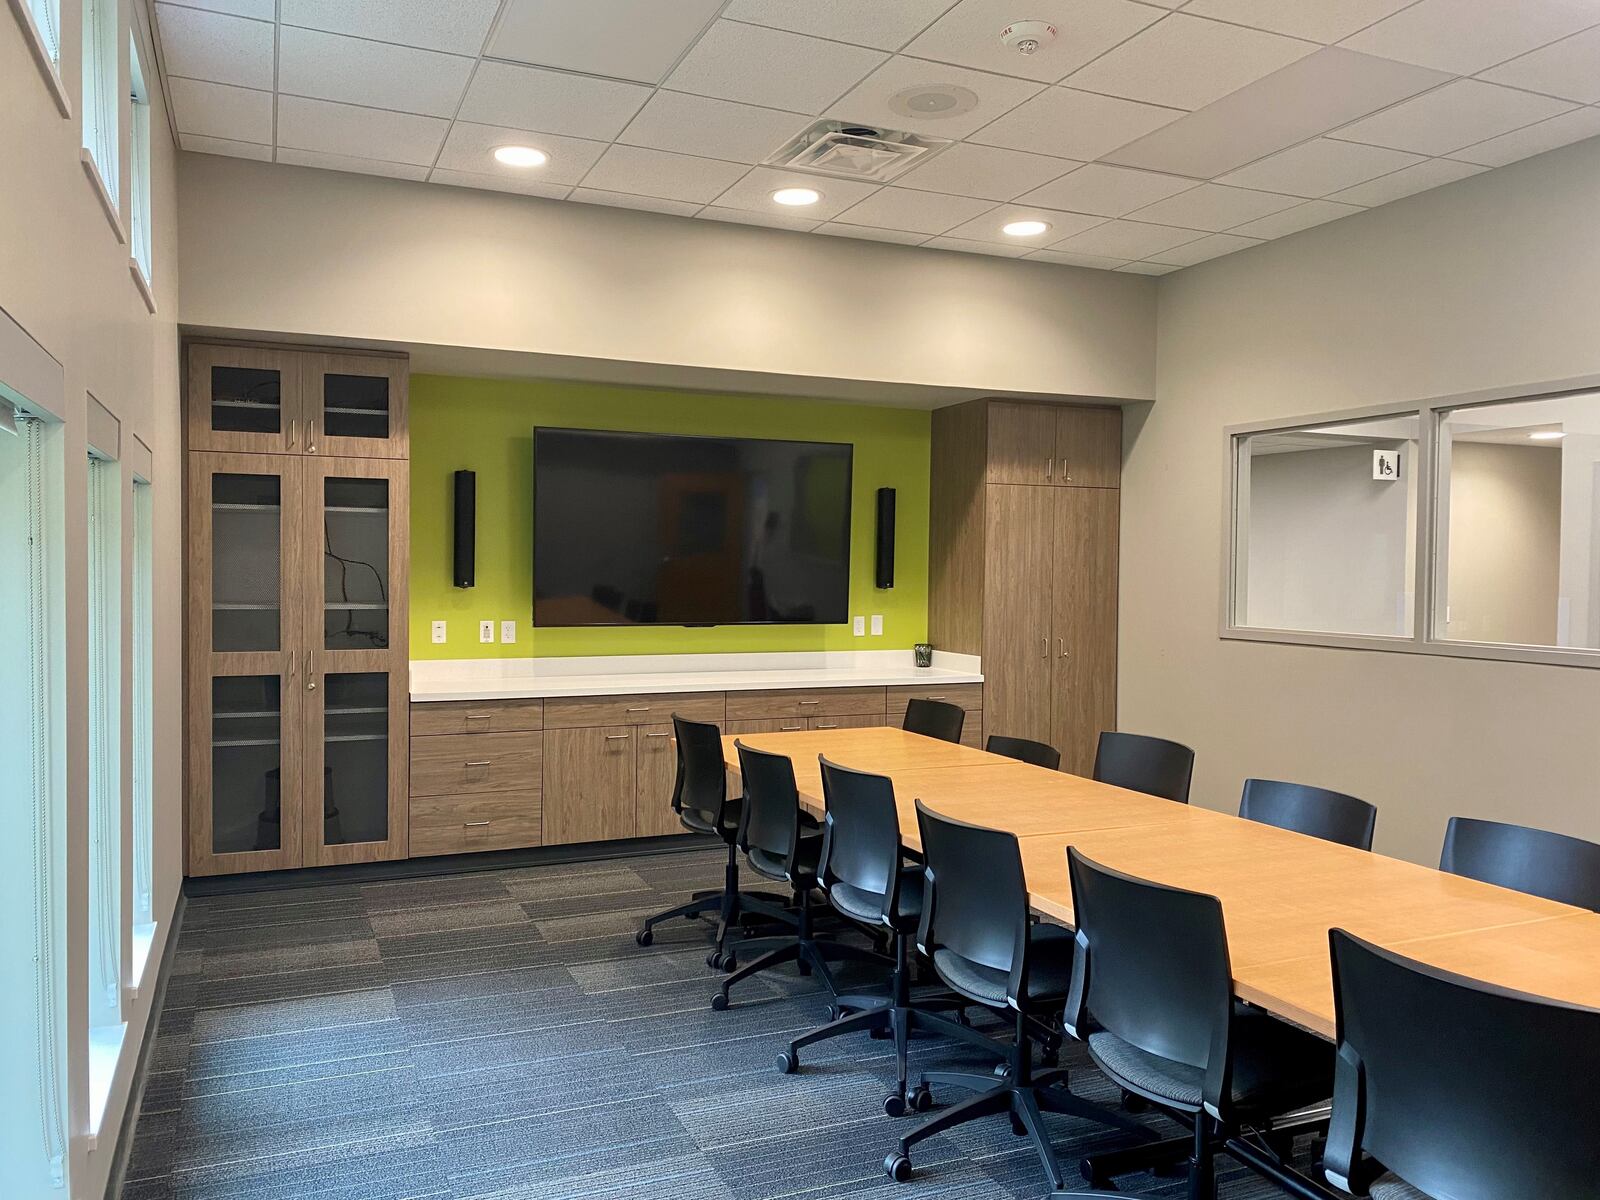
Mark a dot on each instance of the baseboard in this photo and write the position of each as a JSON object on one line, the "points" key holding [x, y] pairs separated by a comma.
{"points": [[444, 864], [141, 1067]]}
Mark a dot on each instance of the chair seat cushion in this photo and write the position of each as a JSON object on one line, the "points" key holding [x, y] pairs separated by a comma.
{"points": [[1049, 970], [1276, 1067], [775, 866], [865, 905], [704, 822], [1392, 1187]]}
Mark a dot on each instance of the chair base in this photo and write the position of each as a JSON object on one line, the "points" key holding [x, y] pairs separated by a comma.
{"points": [[732, 906], [809, 954]]}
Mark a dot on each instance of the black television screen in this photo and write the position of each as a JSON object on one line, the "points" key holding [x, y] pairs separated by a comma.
{"points": [[655, 529]]}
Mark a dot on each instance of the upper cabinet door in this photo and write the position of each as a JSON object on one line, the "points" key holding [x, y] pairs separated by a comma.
{"points": [[355, 406], [1088, 445], [357, 514], [244, 399], [1022, 439]]}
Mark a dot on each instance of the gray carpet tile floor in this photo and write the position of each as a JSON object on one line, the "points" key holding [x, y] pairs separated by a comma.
{"points": [[499, 1036]]}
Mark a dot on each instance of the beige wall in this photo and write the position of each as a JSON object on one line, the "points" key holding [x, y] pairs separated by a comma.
{"points": [[1487, 282], [64, 278], [295, 251]]}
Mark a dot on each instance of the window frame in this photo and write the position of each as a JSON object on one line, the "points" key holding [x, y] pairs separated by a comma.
{"points": [[102, 69], [141, 198], [49, 63], [1428, 588]]}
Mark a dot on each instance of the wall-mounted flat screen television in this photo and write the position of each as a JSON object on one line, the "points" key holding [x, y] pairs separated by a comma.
{"points": [[656, 529]]}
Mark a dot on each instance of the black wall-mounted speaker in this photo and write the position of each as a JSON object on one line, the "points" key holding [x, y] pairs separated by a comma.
{"points": [[885, 571], [466, 544]]}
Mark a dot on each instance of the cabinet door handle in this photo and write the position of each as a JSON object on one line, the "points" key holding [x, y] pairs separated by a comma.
{"points": [[1044, 647], [474, 824], [654, 735], [311, 436], [618, 737], [311, 670], [482, 762], [294, 431]]}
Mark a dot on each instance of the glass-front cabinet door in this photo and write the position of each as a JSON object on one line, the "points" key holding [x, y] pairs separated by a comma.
{"points": [[246, 400], [355, 405]]}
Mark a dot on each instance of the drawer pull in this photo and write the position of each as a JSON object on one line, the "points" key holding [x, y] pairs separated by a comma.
{"points": [[827, 727], [790, 728], [640, 708], [656, 735], [618, 737], [480, 716], [803, 703], [475, 824], [482, 762], [933, 697]]}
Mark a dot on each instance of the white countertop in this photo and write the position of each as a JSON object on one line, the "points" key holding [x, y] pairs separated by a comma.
{"points": [[503, 679]]}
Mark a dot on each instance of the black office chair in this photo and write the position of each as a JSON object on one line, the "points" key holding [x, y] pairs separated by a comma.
{"points": [[784, 844], [1314, 811], [862, 872], [700, 798], [1535, 861], [935, 719], [1021, 749], [1459, 1088], [975, 927], [1151, 765], [1152, 973]]}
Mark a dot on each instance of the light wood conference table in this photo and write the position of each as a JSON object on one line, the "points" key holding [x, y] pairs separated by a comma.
{"points": [[1281, 892]]}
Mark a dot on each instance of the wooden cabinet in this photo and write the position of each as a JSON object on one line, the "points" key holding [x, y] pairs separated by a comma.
{"points": [[590, 784], [767, 725], [1084, 623], [1022, 439], [1088, 447], [876, 721], [477, 716], [1017, 610], [798, 702], [355, 405], [578, 712], [657, 774]]}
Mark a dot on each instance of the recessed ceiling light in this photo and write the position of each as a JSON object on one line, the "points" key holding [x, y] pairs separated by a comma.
{"points": [[1024, 228], [796, 197], [521, 156], [1546, 435]]}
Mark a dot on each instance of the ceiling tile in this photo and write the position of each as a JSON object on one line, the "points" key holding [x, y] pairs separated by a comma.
{"points": [[1212, 206], [900, 236], [359, 132], [1126, 239], [1107, 191], [330, 66], [1318, 93], [471, 147], [1071, 258], [1319, 167], [771, 67], [749, 216], [1293, 220], [966, 246], [658, 173], [1465, 36], [711, 128], [1432, 173], [915, 212], [1569, 68], [1214, 246], [499, 183], [261, 10], [1187, 62], [219, 111], [457, 28], [969, 34], [1073, 124], [623, 39], [1459, 114], [883, 26], [680, 208], [520, 97], [968, 169], [868, 102], [755, 190], [987, 227], [1146, 268], [1323, 21], [1534, 139], [345, 162], [197, 144], [221, 49]]}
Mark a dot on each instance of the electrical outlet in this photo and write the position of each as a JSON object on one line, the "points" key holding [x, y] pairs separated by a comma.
{"points": [[508, 633], [877, 624], [438, 633], [486, 632], [859, 627]]}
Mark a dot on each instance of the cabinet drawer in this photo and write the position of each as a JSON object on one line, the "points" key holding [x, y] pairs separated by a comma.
{"points": [[874, 721], [822, 702], [766, 725], [589, 712], [476, 716], [464, 824], [964, 695], [476, 762]]}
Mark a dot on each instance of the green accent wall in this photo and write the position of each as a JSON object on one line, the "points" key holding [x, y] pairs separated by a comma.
{"points": [[486, 425]]}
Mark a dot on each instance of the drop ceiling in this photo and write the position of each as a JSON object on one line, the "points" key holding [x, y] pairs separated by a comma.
{"points": [[1149, 135]]}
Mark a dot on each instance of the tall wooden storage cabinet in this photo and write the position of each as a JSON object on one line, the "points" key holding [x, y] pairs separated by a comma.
{"points": [[1023, 564], [297, 515]]}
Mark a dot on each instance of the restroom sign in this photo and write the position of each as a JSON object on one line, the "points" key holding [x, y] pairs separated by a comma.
{"points": [[1386, 464]]}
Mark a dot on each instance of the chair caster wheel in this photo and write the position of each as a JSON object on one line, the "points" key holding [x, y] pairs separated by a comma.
{"points": [[921, 1098], [719, 1002], [788, 1064], [1132, 1103], [644, 937], [1001, 1070], [724, 961], [897, 1167], [895, 1105], [834, 1013]]}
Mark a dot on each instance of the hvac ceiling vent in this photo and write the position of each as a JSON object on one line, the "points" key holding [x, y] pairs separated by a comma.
{"points": [[855, 151]]}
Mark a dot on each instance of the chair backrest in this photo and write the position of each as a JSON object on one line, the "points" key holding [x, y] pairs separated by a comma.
{"points": [[1552, 865], [1461, 1088], [935, 719], [1023, 750], [1151, 765], [975, 900], [771, 802], [1317, 812], [861, 833], [702, 783], [1151, 966]]}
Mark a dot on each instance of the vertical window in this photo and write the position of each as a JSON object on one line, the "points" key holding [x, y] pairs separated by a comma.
{"points": [[101, 103], [139, 161], [32, 815], [46, 18], [143, 723]]}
